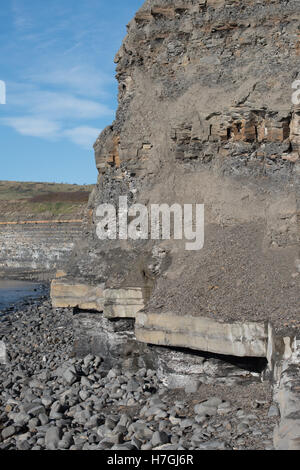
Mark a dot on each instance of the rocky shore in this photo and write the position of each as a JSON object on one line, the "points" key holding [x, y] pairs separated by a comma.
{"points": [[52, 400]]}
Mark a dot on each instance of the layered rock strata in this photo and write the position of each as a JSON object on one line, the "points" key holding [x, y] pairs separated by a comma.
{"points": [[205, 116], [77, 295], [35, 250]]}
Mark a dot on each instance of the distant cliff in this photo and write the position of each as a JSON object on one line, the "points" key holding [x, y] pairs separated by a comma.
{"points": [[39, 224], [42, 201]]}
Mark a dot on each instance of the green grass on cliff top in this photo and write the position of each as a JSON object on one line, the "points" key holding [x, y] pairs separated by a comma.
{"points": [[26, 201], [54, 209], [12, 191]]}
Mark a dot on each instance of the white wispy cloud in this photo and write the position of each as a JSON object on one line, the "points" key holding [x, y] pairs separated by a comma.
{"points": [[33, 126], [61, 105], [21, 18], [83, 136], [54, 115], [83, 80], [61, 91]]}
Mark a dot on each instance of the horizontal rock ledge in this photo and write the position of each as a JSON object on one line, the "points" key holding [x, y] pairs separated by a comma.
{"points": [[204, 334], [242, 339], [123, 303], [114, 303], [66, 293]]}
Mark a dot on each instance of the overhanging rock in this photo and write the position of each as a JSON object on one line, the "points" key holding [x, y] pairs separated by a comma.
{"points": [[203, 334], [241, 339]]}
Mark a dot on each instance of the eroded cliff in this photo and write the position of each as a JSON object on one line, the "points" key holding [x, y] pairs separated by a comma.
{"points": [[205, 117]]}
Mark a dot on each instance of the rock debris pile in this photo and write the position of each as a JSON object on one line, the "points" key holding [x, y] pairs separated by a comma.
{"points": [[51, 400]]}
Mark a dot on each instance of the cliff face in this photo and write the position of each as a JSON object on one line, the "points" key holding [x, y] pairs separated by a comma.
{"points": [[205, 116]]}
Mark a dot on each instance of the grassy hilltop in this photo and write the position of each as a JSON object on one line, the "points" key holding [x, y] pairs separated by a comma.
{"points": [[42, 201]]}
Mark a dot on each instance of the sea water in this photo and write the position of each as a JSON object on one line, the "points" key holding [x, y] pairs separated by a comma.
{"points": [[12, 292]]}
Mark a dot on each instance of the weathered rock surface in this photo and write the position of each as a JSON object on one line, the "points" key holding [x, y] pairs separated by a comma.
{"points": [[205, 116], [287, 394], [3, 355], [36, 250], [214, 129], [112, 340], [114, 303], [123, 303], [204, 334], [39, 225], [69, 293]]}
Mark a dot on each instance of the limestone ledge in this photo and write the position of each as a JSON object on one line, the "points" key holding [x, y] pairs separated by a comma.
{"points": [[115, 303], [72, 294], [166, 329], [204, 334], [123, 303], [242, 339]]}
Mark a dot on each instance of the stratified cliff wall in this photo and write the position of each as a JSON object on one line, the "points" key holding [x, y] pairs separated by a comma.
{"points": [[40, 224], [36, 250], [205, 116]]}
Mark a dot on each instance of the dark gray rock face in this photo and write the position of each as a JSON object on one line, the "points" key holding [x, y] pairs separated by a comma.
{"points": [[114, 341]]}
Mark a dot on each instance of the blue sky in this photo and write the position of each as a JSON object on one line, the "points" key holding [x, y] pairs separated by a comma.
{"points": [[57, 64]]}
